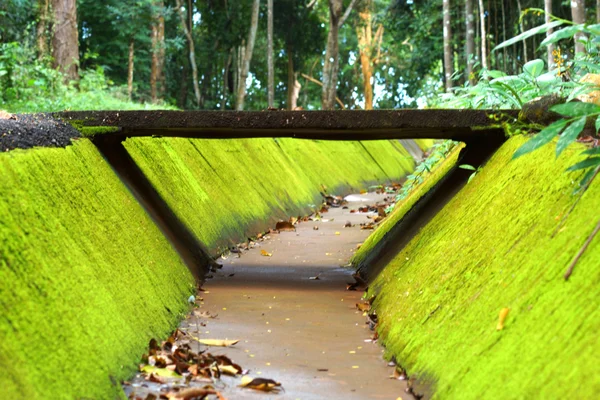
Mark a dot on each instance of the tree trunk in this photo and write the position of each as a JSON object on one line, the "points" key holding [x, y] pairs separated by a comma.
{"points": [[42, 27], [247, 57], [578, 16], [270, 67], [158, 50], [188, 30], [598, 11], [447, 46], [504, 50], [293, 85], [470, 39], [484, 60], [226, 80], [331, 64], [130, 69], [525, 57], [291, 80], [548, 9], [65, 41], [364, 34]]}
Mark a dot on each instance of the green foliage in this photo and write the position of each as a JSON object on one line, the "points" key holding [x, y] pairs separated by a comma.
{"points": [[31, 85]]}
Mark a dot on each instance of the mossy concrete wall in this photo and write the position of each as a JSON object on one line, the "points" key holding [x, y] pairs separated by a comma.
{"points": [[86, 278], [226, 190], [493, 246]]}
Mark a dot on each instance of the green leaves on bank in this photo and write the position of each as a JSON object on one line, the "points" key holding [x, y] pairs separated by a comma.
{"points": [[575, 116]]}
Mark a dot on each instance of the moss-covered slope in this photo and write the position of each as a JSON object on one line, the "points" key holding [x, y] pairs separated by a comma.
{"points": [[224, 190], [492, 247], [404, 206], [86, 278]]}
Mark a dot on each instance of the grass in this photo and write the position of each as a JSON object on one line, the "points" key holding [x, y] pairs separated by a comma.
{"points": [[225, 190], [403, 206], [492, 247], [86, 277]]}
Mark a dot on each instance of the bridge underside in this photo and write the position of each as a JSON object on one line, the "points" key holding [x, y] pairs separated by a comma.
{"points": [[461, 125]]}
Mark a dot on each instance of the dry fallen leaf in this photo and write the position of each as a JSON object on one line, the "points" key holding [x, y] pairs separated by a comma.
{"points": [[285, 226], [315, 228], [265, 253], [162, 372], [191, 393], [502, 318], [337, 233], [262, 384], [364, 307], [215, 342]]}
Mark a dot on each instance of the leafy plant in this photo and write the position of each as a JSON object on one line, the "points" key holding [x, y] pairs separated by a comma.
{"points": [[470, 168]]}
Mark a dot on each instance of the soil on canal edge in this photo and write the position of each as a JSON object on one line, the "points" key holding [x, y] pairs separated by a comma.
{"points": [[304, 333]]}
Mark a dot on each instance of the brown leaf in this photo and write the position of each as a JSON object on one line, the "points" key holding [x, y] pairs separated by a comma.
{"points": [[285, 226], [262, 384], [191, 393], [363, 307], [215, 342], [155, 379], [352, 211], [316, 228], [348, 224]]}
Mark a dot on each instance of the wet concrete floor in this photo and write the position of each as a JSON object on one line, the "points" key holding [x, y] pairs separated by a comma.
{"points": [[304, 333]]}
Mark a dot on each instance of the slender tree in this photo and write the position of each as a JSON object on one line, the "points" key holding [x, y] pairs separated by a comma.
{"points": [[331, 64], [598, 11], [578, 16], [470, 39], [548, 10], [130, 68], [522, 27], [65, 41], [270, 67], [484, 59], [188, 30], [447, 46], [42, 27], [157, 36], [369, 46], [246, 57]]}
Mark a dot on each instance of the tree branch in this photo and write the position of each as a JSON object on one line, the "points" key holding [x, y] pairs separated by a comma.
{"points": [[346, 13], [581, 251], [313, 80], [311, 4]]}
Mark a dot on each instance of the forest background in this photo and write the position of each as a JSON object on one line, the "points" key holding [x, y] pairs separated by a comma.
{"points": [[253, 54]]}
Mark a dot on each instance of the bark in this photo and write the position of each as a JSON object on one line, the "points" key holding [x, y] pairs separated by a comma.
{"points": [[484, 59], [157, 33], [548, 9], [270, 67], [447, 46], [247, 57], [65, 41], [187, 30], [578, 16], [42, 27], [331, 64], [226, 80], [293, 85], [470, 39], [598, 11], [130, 69], [369, 48]]}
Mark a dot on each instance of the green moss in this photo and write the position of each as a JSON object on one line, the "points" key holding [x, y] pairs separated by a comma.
{"points": [[90, 131], [404, 206], [223, 189], [492, 247], [86, 278]]}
